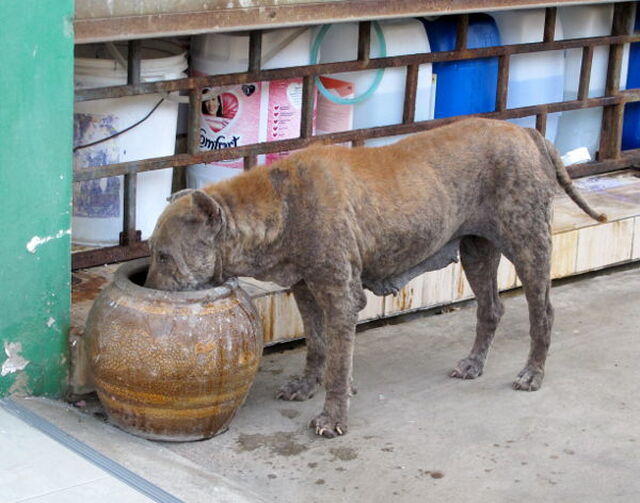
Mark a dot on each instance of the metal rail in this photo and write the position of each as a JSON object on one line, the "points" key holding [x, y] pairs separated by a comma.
{"points": [[100, 21], [610, 156]]}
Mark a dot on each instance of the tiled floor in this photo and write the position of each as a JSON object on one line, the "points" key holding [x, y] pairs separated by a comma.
{"points": [[35, 468]]}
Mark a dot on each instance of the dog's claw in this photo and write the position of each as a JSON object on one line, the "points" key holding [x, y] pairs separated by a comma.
{"points": [[529, 379], [467, 368], [328, 428]]}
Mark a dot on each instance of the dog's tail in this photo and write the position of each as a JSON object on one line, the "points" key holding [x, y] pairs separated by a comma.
{"points": [[563, 177]]}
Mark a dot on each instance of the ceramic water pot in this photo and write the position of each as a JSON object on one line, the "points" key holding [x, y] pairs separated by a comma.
{"points": [[172, 365]]}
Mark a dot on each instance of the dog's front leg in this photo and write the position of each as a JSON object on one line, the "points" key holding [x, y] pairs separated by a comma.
{"points": [[332, 420], [340, 315], [304, 386]]}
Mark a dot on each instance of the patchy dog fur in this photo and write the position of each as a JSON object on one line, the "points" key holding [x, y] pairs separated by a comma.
{"points": [[330, 221]]}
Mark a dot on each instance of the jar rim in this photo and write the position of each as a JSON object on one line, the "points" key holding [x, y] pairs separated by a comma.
{"points": [[122, 279]]}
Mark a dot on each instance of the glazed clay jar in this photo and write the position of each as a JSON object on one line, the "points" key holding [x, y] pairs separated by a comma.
{"points": [[172, 365]]}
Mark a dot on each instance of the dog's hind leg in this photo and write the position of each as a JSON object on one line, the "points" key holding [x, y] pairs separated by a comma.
{"points": [[534, 272], [480, 259], [529, 248], [305, 386]]}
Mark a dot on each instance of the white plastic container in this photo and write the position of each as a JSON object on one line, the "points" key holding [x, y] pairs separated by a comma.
{"points": [[385, 106], [98, 204], [258, 112], [581, 128], [534, 78]]}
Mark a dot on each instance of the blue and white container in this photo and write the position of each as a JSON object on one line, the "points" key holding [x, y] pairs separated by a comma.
{"points": [[581, 128], [384, 105], [534, 78], [467, 86]]}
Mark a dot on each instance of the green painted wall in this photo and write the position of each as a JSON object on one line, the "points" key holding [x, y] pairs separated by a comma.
{"points": [[36, 128]]}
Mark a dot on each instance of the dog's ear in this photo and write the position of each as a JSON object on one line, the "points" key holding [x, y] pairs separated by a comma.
{"points": [[207, 210], [179, 194]]}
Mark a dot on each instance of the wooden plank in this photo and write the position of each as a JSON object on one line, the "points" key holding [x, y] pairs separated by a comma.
{"points": [[263, 306], [374, 308], [604, 245], [461, 287], [408, 299], [564, 254], [287, 322], [635, 253], [437, 288], [507, 277], [280, 317]]}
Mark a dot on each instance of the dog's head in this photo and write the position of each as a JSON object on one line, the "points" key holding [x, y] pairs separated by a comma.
{"points": [[186, 243]]}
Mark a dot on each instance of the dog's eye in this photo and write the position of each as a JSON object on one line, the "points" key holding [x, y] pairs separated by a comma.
{"points": [[163, 258]]}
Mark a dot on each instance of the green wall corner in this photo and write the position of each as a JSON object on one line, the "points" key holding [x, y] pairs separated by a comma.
{"points": [[36, 119]]}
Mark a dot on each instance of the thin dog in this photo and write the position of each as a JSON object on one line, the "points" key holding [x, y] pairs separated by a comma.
{"points": [[331, 221]]}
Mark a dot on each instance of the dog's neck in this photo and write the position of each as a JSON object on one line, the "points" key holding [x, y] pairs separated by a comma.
{"points": [[255, 223]]}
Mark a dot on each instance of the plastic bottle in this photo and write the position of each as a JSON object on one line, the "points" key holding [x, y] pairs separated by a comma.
{"points": [[467, 86], [250, 113], [581, 128], [98, 204], [534, 78], [385, 106]]}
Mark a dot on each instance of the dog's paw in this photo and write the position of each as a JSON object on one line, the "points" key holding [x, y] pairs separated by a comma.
{"points": [[327, 426], [389, 288], [383, 288], [529, 379], [299, 388], [467, 368]]}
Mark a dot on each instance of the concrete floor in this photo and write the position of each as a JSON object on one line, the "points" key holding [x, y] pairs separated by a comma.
{"points": [[415, 434]]}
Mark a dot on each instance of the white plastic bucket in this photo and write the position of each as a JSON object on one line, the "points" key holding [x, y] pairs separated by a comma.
{"points": [[244, 114], [534, 78], [98, 204], [581, 128], [385, 106]]}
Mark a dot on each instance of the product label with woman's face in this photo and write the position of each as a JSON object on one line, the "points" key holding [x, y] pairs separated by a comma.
{"points": [[234, 116], [229, 119]]}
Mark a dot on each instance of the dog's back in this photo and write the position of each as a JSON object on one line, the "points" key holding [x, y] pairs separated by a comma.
{"points": [[400, 203]]}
